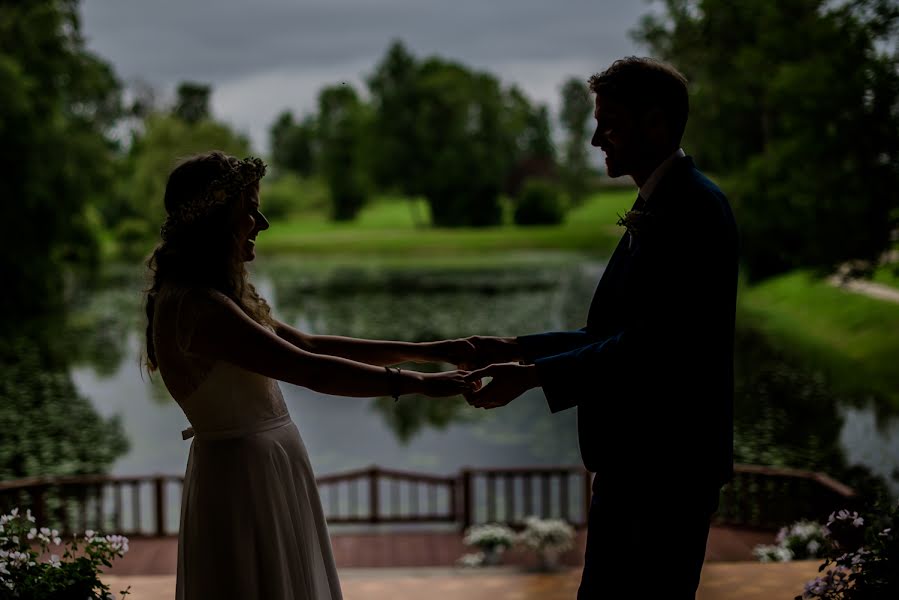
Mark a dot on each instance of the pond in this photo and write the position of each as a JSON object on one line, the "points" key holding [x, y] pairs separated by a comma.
{"points": [[783, 416]]}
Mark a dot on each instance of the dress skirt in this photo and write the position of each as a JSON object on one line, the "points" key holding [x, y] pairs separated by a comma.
{"points": [[252, 524]]}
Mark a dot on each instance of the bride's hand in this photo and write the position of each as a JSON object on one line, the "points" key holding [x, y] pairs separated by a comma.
{"points": [[446, 383], [460, 351]]}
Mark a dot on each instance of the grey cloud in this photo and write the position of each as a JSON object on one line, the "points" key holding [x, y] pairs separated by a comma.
{"points": [[236, 45], [168, 40]]}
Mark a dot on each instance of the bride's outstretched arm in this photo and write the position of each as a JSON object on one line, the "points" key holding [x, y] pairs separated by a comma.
{"points": [[378, 352], [220, 330]]}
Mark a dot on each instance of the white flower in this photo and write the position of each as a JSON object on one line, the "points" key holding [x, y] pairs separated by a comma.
{"points": [[784, 554], [781, 535], [844, 515], [813, 546], [885, 532], [14, 512], [546, 534], [32, 533], [773, 553], [28, 515], [54, 561], [490, 535], [118, 543], [471, 560], [89, 534]]}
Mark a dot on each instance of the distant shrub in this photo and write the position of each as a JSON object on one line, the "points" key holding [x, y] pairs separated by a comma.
{"points": [[540, 203], [288, 194], [134, 237]]}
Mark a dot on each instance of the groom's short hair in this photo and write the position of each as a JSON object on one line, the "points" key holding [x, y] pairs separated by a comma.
{"points": [[643, 84]]}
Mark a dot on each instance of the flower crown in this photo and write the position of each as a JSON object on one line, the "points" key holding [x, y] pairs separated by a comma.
{"points": [[241, 174]]}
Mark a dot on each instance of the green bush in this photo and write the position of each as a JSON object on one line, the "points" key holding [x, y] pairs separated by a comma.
{"points": [[289, 194], [540, 203], [135, 237]]}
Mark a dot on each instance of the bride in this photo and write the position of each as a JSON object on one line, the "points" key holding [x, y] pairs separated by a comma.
{"points": [[252, 525]]}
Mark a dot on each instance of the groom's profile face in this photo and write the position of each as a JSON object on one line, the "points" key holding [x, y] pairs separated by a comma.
{"points": [[616, 135]]}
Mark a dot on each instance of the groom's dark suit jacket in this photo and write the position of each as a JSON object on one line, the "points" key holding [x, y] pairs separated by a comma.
{"points": [[651, 374]]}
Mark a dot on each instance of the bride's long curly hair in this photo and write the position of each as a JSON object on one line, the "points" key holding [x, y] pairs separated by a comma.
{"points": [[200, 247]]}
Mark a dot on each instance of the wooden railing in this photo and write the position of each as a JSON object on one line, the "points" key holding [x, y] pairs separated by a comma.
{"points": [[762, 497], [770, 497], [98, 502], [511, 494], [376, 495]]}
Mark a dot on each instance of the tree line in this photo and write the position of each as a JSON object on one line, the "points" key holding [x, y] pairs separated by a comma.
{"points": [[794, 108], [435, 129]]}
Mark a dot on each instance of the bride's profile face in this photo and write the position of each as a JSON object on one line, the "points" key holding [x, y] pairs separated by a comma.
{"points": [[250, 222]]}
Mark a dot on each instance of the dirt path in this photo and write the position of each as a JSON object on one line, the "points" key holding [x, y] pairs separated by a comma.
{"points": [[868, 288]]}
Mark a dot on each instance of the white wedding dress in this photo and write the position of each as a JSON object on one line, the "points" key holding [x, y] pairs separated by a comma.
{"points": [[252, 525]]}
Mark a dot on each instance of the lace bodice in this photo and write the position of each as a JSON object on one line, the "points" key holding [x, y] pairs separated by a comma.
{"points": [[214, 395]]}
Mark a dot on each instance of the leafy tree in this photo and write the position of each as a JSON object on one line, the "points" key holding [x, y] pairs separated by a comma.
{"points": [[464, 148], [452, 135], [395, 106], [342, 124], [154, 153], [539, 204], [192, 105], [396, 103], [533, 152], [293, 144], [794, 103], [575, 113], [58, 103]]}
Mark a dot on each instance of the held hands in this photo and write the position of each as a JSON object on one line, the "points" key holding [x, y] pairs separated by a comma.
{"points": [[508, 381], [477, 351], [446, 383], [493, 357]]}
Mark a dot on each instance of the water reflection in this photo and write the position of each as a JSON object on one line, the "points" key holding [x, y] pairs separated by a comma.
{"points": [[49, 428]]}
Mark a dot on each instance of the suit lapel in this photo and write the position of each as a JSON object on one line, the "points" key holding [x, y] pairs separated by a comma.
{"points": [[605, 310]]}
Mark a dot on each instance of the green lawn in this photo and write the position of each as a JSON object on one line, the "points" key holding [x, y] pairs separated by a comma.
{"points": [[387, 227], [850, 337], [887, 275]]}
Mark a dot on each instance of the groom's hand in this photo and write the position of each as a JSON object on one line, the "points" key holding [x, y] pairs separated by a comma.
{"points": [[508, 381]]}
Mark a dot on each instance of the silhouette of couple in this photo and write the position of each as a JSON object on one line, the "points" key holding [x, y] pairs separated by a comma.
{"points": [[650, 373]]}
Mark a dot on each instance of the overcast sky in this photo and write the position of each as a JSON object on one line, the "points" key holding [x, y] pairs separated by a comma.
{"points": [[265, 56]]}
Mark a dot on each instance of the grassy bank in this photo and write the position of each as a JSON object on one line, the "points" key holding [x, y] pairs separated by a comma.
{"points": [[852, 339], [388, 227]]}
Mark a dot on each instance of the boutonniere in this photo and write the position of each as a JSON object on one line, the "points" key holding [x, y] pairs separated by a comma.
{"points": [[635, 222]]}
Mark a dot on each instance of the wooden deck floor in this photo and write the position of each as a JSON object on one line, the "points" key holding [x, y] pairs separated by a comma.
{"points": [[158, 556], [720, 581]]}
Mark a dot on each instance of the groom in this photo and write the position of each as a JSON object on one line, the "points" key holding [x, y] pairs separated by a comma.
{"points": [[651, 373]]}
